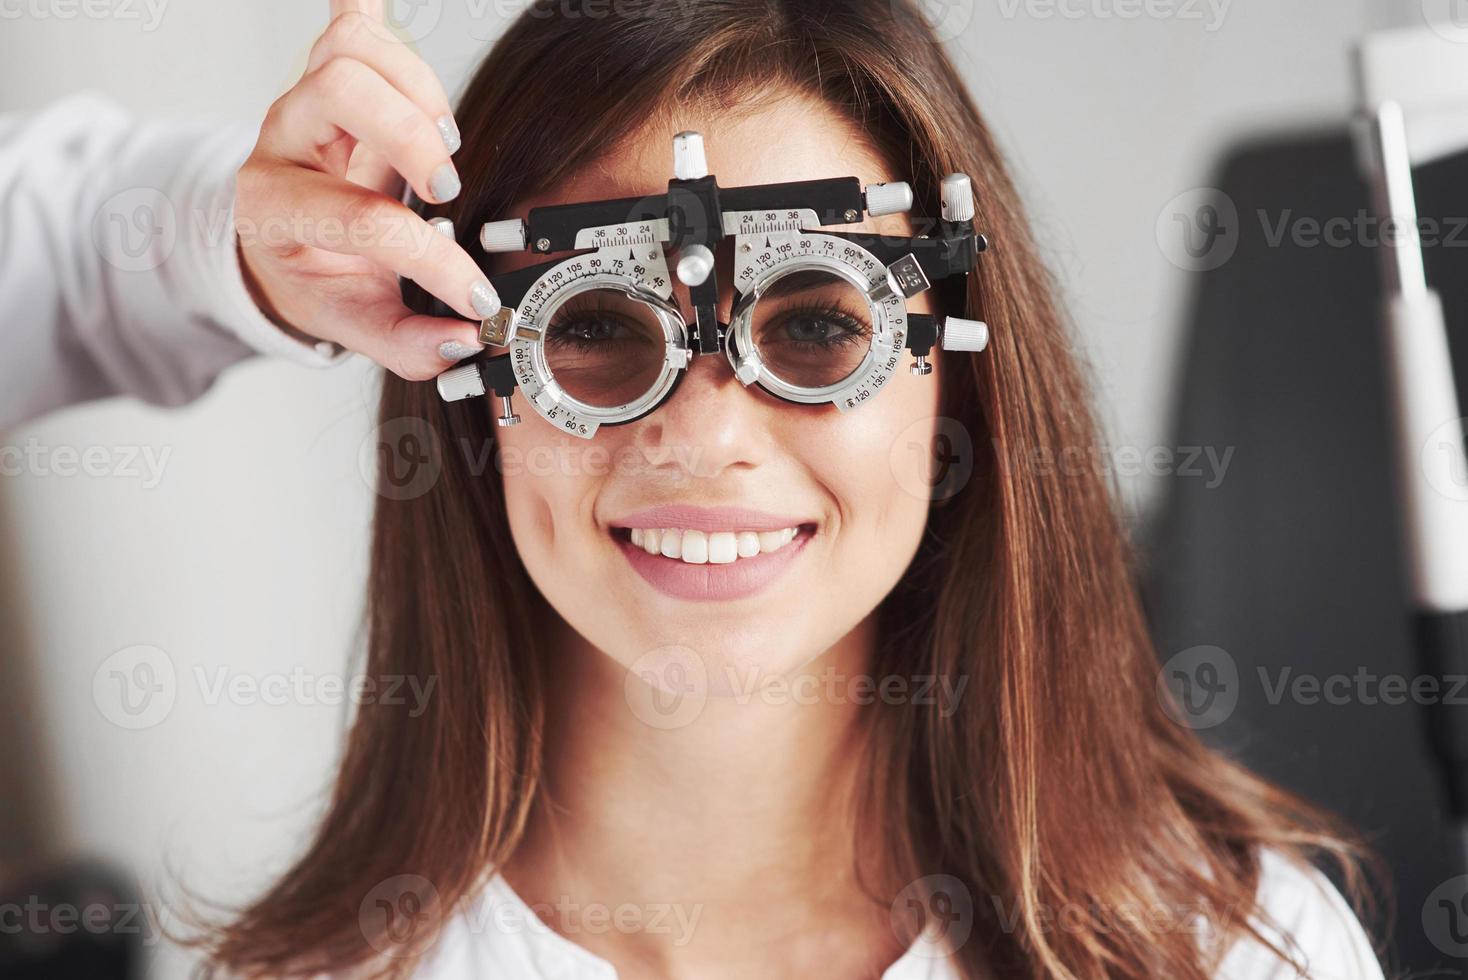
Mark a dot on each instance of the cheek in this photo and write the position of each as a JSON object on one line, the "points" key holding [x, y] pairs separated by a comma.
{"points": [[550, 483], [875, 462]]}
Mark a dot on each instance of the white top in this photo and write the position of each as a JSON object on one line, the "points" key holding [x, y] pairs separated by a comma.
{"points": [[498, 935], [118, 268]]}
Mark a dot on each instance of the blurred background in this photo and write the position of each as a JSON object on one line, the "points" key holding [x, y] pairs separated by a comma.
{"points": [[240, 554]]}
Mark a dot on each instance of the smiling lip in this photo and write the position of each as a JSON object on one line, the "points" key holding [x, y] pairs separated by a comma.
{"points": [[708, 519], [711, 582]]}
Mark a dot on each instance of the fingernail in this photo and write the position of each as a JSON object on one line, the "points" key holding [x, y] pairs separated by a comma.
{"points": [[444, 226], [452, 350], [444, 184], [486, 302], [450, 131]]}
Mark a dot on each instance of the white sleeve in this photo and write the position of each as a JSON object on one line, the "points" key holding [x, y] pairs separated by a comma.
{"points": [[1312, 921], [119, 273]]}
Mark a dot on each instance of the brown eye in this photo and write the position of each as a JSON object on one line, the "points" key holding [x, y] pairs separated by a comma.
{"points": [[812, 328], [604, 348]]}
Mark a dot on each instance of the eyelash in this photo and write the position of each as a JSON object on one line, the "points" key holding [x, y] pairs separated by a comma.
{"points": [[561, 330], [855, 326]]}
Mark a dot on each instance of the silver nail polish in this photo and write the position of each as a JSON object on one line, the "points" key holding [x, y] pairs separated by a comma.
{"points": [[444, 184], [486, 303], [444, 226], [452, 350], [450, 131]]}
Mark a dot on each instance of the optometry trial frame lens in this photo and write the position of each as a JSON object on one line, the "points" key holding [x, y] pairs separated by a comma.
{"points": [[809, 327], [818, 317]]}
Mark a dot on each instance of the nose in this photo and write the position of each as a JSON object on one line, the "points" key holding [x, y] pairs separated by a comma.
{"points": [[711, 423]]}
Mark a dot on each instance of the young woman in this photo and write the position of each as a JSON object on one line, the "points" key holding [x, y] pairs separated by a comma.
{"points": [[1038, 814]]}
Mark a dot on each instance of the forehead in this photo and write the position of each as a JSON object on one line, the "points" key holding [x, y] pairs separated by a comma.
{"points": [[792, 139]]}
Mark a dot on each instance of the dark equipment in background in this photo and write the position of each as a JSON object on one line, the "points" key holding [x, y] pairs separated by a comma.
{"points": [[1299, 564], [77, 922]]}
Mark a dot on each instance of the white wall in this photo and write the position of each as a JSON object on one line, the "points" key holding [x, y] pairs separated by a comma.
{"points": [[248, 554]]}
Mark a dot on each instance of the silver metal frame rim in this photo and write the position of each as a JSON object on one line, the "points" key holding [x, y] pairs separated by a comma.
{"points": [[741, 321], [675, 333]]}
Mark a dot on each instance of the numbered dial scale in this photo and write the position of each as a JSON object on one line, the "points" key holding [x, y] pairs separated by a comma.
{"points": [[818, 317]]}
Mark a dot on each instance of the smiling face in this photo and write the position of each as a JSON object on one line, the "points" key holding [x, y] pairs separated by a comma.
{"points": [[756, 532]]}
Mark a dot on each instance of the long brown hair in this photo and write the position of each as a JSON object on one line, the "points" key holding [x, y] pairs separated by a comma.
{"points": [[1060, 783]]}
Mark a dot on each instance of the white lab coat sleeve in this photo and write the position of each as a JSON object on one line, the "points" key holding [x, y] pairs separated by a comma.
{"points": [[119, 273]]}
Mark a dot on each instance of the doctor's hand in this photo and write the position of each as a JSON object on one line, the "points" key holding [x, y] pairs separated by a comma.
{"points": [[323, 234]]}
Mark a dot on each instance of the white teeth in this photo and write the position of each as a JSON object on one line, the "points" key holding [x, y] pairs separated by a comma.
{"points": [[695, 548], [713, 548], [722, 548]]}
